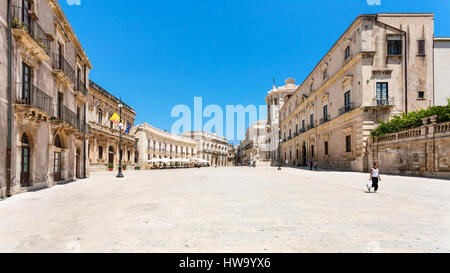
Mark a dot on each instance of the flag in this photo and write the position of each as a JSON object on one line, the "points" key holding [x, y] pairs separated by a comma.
{"points": [[115, 118], [127, 131]]}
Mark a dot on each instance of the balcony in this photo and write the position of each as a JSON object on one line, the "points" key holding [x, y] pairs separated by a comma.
{"points": [[33, 103], [29, 34], [383, 102], [325, 119], [71, 122], [346, 108], [81, 91], [63, 70]]}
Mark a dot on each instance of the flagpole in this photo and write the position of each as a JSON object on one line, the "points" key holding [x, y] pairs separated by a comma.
{"points": [[120, 174]]}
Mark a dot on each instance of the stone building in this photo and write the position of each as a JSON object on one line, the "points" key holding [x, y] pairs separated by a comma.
{"points": [[255, 146], [381, 66], [44, 98], [231, 158], [211, 147], [441, 70], [105, 135], [157, 147], [275, 100]]}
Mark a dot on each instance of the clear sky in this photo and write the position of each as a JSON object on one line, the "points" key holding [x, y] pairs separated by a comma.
{"points": [[157, 54]]}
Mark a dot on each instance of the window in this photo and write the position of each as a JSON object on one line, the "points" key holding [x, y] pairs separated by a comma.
{"points": [[421, 95], [303, 125], [290, 133], [421, 45], [348, 144], [111, 124], [27, 80], [100, 152], [296, 129], [325, 74], [311, 120], [382, 92], [311, 88], [326, 147], [325, 113], [394, 47], [347, 52], [100, 116], [347, 103], [129, 155], [312, 150]]}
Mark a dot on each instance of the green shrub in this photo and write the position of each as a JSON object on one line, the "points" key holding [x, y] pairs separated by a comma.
{"points": [[110, 165], [412, 120]]}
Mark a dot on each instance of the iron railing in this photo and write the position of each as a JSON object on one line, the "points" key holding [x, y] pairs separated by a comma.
{"points": [[21, 19], [31, 95], [60, 63], [67, 115], [347, 108], [325, 119], [383, 102], [81, 87]]}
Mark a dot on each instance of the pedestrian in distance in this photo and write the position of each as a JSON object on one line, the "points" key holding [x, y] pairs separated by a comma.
{"points": [[375, 177], [310, 164]]}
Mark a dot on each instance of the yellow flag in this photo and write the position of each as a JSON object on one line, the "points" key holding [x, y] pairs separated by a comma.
{"points": [[115, 118]]}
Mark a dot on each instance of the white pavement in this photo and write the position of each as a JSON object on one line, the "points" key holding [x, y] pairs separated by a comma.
{"points": [[237, 209]]}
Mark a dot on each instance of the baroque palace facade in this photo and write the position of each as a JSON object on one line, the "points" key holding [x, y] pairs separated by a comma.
{"points": [[211, 147], [44, 75], [104, 139], [158, 148], [381, 66]]}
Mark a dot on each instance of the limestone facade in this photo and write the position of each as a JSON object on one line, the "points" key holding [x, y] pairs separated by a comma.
{"points": [[275, 100], [211, 147], [49, 78], [381, 66], [155, 144], [231, 158], [423, 151], [441, 70], [255, 147], [104, 139]]}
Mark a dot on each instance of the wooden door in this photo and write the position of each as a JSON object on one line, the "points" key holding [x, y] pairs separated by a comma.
{"points": [[25, 167], [57, 167]]}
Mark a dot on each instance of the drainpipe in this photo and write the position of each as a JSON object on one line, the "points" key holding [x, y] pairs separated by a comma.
{"points": [[84, 144], [406, 71], [9, 92]]}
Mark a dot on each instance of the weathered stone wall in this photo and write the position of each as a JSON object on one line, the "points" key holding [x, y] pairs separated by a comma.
{"points": [[423, 151]]}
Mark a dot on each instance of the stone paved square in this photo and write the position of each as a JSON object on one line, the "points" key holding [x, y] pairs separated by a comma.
{"points": [[237, 209]]}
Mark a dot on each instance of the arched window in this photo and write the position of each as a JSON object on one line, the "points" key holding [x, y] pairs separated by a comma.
{"points": [[100, 116], [57, 142], [25, 139]]}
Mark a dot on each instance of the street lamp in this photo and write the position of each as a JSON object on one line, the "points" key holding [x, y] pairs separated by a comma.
{"points": [[120, 174], [279, 149]]}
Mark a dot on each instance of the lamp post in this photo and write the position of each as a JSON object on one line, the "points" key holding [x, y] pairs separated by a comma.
{"points": [[279, 149], [120, 174]]}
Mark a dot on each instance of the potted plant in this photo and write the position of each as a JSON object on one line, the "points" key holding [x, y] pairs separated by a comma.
{"points": [[124, 167], [110, 166]]}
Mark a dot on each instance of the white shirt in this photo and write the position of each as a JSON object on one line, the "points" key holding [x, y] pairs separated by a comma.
{"points": [[375, 172]]}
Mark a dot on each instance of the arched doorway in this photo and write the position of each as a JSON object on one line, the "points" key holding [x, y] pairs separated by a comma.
{"points": [[25, 162], [110, 155], [57, 159]]}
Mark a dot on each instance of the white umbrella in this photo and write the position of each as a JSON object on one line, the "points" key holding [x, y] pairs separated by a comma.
{"points": [[165, 160]]}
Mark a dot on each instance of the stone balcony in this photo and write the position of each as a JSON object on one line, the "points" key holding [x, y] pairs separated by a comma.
{"points": [[29, 35], [33, 103]]}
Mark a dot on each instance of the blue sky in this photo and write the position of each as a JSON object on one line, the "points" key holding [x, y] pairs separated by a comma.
{"points": [[157, 54]]}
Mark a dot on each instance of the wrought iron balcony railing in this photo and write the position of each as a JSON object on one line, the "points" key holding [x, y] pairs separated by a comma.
{"points": [[347, 108], [28, 94], [325, 119], [67, 115], [60, 63], [81, 87], [383, 102], [22, 19]]}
